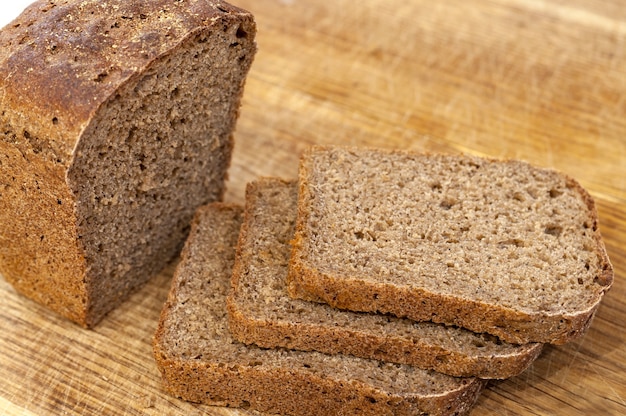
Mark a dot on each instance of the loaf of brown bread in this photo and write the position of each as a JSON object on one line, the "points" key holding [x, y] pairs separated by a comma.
{"points": [[116, 123], [201, 362], [500, 247], [261, 312]]}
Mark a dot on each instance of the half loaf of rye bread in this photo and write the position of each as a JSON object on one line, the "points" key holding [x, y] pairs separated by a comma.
{"points": [[116, 123], [500, 247], [201, 362], [261, 312]]}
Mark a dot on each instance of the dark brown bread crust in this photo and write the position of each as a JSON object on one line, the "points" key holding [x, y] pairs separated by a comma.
{"points": [[288, 392], [271, 206], [61, 63], [361, 294]]}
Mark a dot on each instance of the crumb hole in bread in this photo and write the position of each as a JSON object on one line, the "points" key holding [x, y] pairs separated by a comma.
{"points": [[371, 399], [447, 203], [55, 121], [478, 343], [441, 358], [553, 230], [24, 40], [100, 77], [554, 193], [515, 242], [241, 33], [436, 186]]}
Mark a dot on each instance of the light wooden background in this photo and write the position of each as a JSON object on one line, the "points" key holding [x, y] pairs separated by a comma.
{"points": [[543, 81]]}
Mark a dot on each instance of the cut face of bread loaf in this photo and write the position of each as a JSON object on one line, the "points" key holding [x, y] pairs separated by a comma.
{"points": [[261, 312], [494, 246], [116, 123], [201, 362]]}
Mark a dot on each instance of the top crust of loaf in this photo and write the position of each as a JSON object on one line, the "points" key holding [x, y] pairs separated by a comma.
{"points": [[52, 69], [494, 246]]}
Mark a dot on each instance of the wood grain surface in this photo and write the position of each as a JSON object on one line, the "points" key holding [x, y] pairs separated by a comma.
{"points": [[543, 81]]}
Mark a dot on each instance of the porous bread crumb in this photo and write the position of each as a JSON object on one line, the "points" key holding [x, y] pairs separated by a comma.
{"points": [[495, 246], [201, 362], [261, 312]]}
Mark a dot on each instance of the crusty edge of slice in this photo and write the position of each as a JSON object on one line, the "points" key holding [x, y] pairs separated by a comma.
{"points": [[267, 334], [351, 293], [332, 340], [296, 392]]}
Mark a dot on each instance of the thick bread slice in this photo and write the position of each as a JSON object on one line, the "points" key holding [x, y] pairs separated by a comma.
{"points": [[201, 362], [116, 123], [261, 312], [494, 246]]}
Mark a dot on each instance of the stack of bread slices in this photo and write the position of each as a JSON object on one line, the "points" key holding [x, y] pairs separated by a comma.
{"points": [[380, 282]]}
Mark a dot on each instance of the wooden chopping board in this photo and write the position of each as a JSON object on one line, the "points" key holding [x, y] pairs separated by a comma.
{"points": [[543, 81]]}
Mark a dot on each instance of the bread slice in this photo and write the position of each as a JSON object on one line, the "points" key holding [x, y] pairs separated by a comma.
{"points": [[116, 124], [500, 247], [261, 312], [201, 362]]}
